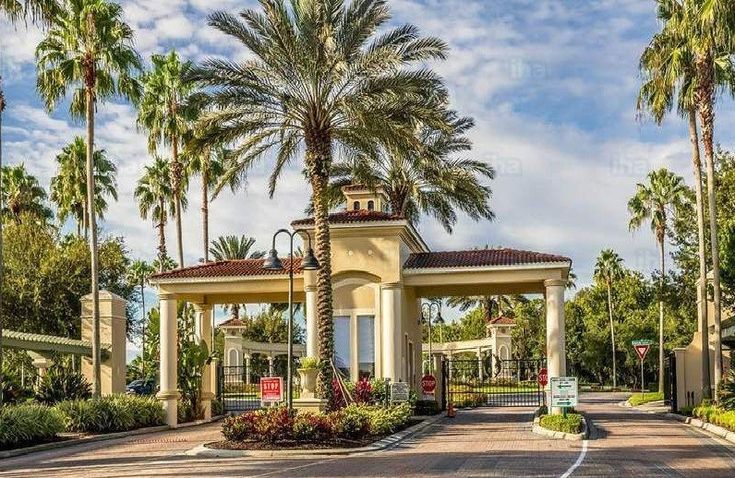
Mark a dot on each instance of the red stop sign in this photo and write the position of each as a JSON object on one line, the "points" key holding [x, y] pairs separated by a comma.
{"points": [[543, 377], [428, 384]]}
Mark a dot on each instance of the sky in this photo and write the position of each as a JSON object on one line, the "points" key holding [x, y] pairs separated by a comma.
{"points": [[551, 85]]}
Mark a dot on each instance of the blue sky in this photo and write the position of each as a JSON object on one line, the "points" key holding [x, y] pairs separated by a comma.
{"points": [[551, 84]]}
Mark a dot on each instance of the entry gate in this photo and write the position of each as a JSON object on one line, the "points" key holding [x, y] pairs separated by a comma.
{"points": [[491, 382], [238, 387]]}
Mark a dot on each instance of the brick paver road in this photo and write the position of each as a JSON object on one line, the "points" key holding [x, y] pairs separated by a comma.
{"points": [[478, 443]]}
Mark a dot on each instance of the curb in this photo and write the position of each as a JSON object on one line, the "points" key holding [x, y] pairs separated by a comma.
{"points": [[539, 430], [720, 432], [97, 438], [390, 441]]}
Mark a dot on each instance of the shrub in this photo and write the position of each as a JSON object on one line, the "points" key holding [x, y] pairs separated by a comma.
{"points": [[572, 423], [380, 390], [218, 408], [727, 391], [60, 384], [312, 427], [274, 424], [114, 413], [239, 427], [352, 422], [309, 363], [28, 424], [11, 389], [641, 398], [384, 421], [716, 416], [363, 392]]}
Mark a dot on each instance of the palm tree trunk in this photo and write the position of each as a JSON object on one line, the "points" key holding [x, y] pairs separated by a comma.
{"points": [[662, 263], [705, 103], [205, 208], [702, 249], [96, 352], [162, 234], [85, 215], [142, 342], [2, 268], [318, 161], [612, 335], [176, 173]]}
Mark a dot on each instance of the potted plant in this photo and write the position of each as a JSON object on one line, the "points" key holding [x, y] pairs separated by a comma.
{"points": [[308, 370]]}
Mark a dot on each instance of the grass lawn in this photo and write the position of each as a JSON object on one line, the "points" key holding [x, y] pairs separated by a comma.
{"points": [[641, 398]]}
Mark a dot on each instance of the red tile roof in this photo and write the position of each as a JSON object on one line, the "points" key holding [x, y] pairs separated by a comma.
{"points": [[233, 268], [478, 258], [232, 323], [348, 217], [502, 320]]}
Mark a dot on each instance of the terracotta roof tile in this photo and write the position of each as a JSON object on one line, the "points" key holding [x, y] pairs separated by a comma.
{"points": [[502, 320], [348, 217], [478, 258], [233, 268], [232, 323]]}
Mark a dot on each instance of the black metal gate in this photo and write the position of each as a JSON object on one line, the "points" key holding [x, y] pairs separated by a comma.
{"points": [[670, 382], [491, 382], [238, 387]]}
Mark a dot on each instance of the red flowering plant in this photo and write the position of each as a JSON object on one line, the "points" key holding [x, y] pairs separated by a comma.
{"points": [[364, 392], [239, 427], [274, 424], [312, 427]]}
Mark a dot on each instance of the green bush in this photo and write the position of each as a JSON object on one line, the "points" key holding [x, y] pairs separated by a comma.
{"points": [[218, 408], [716, 416], [727, 391], [309, 363], [352, 422], [572, 423], [641, 398], [239, 427], [313, 427], [28, 424], [114, 413], [59, 384], [384, 421]]}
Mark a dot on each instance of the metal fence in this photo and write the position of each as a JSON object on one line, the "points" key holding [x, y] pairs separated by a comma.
{"points": [[238, 387], [670, 382]]}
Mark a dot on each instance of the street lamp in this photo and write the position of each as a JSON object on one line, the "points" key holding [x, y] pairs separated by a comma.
{"points": [[426, 309], [273, 263]]}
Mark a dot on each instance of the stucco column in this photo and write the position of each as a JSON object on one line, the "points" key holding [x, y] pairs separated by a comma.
{"points": [[479, 364], [247, 369], [555, 342], [204, 328], [270, 365], [391, 330], [169, 392], [312, 334]]}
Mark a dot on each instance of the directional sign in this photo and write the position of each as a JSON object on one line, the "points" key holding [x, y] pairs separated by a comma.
{"points": [[641, 348], [564, 391], [543, 377]]}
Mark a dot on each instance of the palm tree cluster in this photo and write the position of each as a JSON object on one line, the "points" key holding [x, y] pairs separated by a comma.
{"points": [[688, 65]]}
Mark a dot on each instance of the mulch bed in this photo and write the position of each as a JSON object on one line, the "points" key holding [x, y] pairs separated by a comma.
{"points": [[295, 445]]}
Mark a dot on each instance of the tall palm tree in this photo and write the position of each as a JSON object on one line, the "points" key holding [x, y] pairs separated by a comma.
{"points": [[608, 270], [667, 67], [156, 198], [164, 112], [658, 200], [22, 195], [319, 78], [138, 274], [69, 186], [89, 48], [424, 179], [226, 248], [490, 304]]}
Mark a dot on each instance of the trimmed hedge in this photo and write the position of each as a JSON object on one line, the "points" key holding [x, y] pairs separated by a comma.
{"points": [[572, 423], [114, 413], [28, 424], [639, 399], [716, 416]]}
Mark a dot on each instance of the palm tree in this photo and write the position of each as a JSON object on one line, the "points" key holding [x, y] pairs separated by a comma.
{"points": [[426, 179], [88, 48], [667, 66], [319, 78], [138, 274], [164, 264], [658, 200], [164, 113], [227, 248], [608, 270], [22, 195], [490, 304], [156, 198], [69, 186]]}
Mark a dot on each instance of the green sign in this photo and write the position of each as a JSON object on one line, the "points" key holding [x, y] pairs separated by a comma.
{"points": [[564, 391], [642, 342]]}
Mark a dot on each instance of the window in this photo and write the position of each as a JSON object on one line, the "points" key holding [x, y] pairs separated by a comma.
{"points": [[342, 350], [234, 358], [356, 205], [366, 338], [371, 205]]}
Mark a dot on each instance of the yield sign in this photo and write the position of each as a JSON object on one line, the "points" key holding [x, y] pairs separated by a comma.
{"points": [[641, 348]]}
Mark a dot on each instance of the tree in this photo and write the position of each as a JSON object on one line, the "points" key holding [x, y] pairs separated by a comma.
{"points": [[658, 200], [156, 198], [22, 196], [667, 65], [425, 178], [608, 270], [88, 48], [164, 114], [69, 186], [138, 274], [319, 78], [488, 303], [228, 248]]}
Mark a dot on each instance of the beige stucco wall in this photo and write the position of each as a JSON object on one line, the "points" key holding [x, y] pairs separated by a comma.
{"points": [[112, 332]]}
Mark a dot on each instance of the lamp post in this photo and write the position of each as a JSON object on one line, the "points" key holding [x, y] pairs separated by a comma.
{"points": [[426, 310], [273, 263]]}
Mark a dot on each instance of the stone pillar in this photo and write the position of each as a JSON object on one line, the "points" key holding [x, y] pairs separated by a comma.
{"points": [[204, 324], [479, 364], [169, 392], [391, 330], [312, 334], [247, 368], [555, 342], [113, 325], [270, 365]]}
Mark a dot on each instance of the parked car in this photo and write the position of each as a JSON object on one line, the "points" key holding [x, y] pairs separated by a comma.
{"points": [[142, 386]]}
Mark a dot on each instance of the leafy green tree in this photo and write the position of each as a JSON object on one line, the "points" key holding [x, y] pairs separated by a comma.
{"points": [[22, 195], [138, 274], [320, 78], [270, 326], [608, 270], [658, 201], [88, 48], [69, 186], [164, 113], [228, 248]]}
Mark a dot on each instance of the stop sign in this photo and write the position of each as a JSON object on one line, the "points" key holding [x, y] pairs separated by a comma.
{"points": [[543, 377], [428, 384]]}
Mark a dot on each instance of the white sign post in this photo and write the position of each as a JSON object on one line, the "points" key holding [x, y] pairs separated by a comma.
{"points": [[564, 392]]}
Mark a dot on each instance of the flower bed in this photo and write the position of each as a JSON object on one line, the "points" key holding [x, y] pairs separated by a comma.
{"points": [[277, 428]]}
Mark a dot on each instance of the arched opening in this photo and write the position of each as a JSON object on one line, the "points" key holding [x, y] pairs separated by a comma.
{"points": [[234, 358], [371, 205], [356, 205]]}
